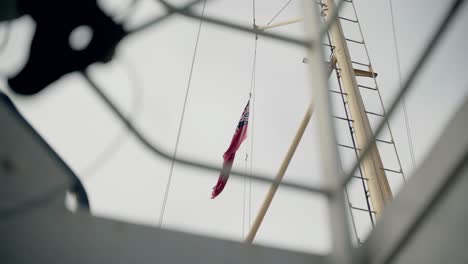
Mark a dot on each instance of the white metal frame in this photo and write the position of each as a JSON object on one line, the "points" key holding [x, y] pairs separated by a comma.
{"points": [[342, 252]]}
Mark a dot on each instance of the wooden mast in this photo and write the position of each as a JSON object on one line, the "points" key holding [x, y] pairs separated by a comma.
{"points": [[379, 189]]}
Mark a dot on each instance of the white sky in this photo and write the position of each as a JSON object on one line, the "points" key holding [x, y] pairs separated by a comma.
{"points": [[130, 186]]}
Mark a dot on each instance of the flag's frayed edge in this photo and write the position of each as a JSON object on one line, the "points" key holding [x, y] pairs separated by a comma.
{"points": [[219, 187]]}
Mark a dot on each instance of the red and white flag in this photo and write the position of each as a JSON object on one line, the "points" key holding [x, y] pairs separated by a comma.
{"points": [[239, 136]]}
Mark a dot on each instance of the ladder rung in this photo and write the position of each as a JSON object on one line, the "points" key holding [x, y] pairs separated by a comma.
{"points": [[328, 45], [384, 141], [343, 118], [373, 113], [363, 73], [358, 177], [359, 63], [346, 146], [355, 41], [361, 209], [395, 171], [367, 87], [338, 92], [347, 19]]}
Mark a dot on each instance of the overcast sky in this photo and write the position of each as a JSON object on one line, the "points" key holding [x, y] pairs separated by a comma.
{"points": [[149, 76]]}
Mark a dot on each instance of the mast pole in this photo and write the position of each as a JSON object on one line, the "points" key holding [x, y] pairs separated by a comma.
{"points": [[379, 189], [279, 176]]}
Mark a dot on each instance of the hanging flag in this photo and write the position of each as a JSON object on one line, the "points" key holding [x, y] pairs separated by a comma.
{"points": [[239, 136]]}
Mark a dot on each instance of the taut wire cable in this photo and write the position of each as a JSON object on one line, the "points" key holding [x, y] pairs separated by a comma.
{"points": [[403, 100], [179, 132], [252, 121], [252, 96], [278, 13]]}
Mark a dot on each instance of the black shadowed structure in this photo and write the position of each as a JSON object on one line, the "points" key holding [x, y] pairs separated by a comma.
{"points": [[50, 54]]}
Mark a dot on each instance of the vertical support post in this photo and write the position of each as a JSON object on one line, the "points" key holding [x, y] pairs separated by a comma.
{"points": [[379, 189], [332, 170]]}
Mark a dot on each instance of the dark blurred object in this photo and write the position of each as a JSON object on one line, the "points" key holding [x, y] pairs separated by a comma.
{"points": [[9, 10], [51, 55], [30, 168]]}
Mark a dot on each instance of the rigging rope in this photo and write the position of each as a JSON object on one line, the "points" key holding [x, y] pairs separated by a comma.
{"points": [[387, 123], [363, 114], [252, 98], [279, 12], [171, 170], [403, 100], [332, 50], [252, 95]]}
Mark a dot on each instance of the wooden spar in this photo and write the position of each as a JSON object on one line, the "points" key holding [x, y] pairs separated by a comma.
{"points": [[357, 72], [279, 24], [379, 189], [363, 73], [279, 176], [282, 170]]}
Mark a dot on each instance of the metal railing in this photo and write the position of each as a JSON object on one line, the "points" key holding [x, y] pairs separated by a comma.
{"points": [[335, 179]]}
